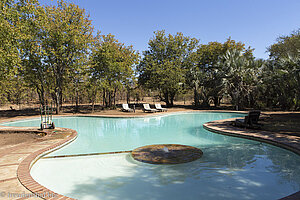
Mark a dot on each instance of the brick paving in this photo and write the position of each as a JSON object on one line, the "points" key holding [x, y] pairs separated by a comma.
{"points": [[16, 161]]}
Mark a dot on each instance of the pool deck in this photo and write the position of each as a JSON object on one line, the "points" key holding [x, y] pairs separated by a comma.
{"points": [[16, 160]]}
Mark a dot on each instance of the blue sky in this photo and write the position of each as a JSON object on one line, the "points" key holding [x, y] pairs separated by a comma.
{"points": [[257, 23]]}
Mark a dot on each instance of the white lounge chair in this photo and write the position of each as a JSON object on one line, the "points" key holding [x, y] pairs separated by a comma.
{"points": [[148, 109], [159, 108], [125, 108]]}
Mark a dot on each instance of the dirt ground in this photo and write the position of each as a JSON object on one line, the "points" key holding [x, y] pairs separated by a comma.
{"points": [[283, 122], [17, 138]]}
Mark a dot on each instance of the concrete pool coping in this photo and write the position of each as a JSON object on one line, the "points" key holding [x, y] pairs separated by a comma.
{"points": [[291, 143]]}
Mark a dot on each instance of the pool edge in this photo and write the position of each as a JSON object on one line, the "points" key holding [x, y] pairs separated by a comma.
{"points": [[222, 127], [23, 171]]}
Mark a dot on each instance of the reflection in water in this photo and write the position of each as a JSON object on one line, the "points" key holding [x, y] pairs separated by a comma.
{"points": [[107, 134], [230, 168], [224, 172]]}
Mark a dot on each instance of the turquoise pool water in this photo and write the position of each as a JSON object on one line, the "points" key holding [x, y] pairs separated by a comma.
{"points": [[97, 134], [231, 168]]}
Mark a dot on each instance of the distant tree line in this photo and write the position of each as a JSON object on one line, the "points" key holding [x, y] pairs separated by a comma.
{"points": [[52, 52], [175, 64]]}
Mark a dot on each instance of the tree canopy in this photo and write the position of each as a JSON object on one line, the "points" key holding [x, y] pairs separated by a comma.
{"points": [[282, 74], [163, 65], [286, 46], [51, 53], [210, 70], [56, 49], [112, 64]]}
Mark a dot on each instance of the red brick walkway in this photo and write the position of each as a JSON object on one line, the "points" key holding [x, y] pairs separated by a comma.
{"points": [[16, 161]]}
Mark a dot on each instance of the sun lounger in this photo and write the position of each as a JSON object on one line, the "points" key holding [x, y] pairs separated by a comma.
{"points": [[159, 108], [125, 108], [146, 107], [250, 121]]}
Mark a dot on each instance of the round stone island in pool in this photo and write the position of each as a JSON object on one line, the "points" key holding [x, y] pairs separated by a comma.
{"points": [[166, 154]]}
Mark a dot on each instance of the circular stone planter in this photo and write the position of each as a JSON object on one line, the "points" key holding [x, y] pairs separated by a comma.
{"points": [[166, 154]]}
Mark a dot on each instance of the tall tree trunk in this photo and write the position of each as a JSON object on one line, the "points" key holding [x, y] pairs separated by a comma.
{"points": [[59, 86], [217, 101], [237, 101], [196, 97], [103, 98], [204, 98], [94, 98], [109, 99], [166, 99], [61, 100], [93, 106], [128, 95], [77, 100], [41, 95], [115, 91], [172, 96], [57, 99]]}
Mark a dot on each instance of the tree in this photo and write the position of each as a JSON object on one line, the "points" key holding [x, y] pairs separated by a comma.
{"points": [[112, 65], [9, 36], [202, 75], [67, 40], [280, 84], [16, 90], [78, 85], [240, 74], [164, 64], [13, 28], [284, 67], [286, 46], [59, 46], [32, 54], [206, 74]]}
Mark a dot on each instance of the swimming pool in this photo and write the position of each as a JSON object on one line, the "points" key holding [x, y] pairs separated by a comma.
{"points": [[231, 168]]}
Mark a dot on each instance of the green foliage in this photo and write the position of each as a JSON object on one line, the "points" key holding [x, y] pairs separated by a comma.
{"points": [[212, 66], [281, 77], [9, 56], [286, 46], [16, 90], [13, 29], [112, 65], [281, 84], [163, 65], [57, 48], [240, 77], [51, 49]]}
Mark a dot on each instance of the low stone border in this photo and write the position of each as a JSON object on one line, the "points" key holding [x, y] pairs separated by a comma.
{"points": [[23, 171], [289, 142]]}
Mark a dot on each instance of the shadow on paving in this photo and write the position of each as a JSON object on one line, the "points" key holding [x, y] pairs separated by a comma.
{"points": [[286, 123], [15, 113]]}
